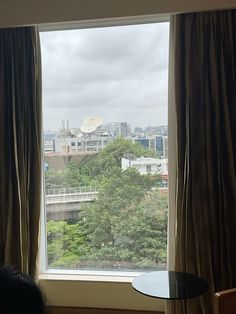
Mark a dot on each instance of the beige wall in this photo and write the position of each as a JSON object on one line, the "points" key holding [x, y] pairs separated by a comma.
{"points": [[114, 295], [26, 12]]}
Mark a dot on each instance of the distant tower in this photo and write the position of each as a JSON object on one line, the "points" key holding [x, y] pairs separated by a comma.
{"points": [[65, 124], [159, 144], [165, 146], [123, 129]]}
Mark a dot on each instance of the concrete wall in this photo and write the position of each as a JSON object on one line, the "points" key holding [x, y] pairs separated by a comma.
{"points": [[60, 161]]}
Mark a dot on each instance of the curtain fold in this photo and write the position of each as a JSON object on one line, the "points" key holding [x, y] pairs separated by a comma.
{"points": [[205, 98], [20, 142]]}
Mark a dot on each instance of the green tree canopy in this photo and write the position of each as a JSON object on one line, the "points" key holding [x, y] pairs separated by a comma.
{"points": [[126, 227], [111, 156]]}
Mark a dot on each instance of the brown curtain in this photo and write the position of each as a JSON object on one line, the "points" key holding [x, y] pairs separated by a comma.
{"points": [[205, 97], [20, 142]]}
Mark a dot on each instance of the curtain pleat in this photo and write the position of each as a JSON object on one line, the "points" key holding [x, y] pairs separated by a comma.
{"points": [[205, 97], [20, 142]]}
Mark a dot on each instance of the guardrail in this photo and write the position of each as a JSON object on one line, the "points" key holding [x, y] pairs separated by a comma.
{"points": [[69, 190], [68, 195]]}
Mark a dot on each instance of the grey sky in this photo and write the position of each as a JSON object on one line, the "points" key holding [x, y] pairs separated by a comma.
{"points": [[117, 73]]}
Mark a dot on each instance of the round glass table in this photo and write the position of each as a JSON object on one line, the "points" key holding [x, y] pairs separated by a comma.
{"points": [[170, 285]]}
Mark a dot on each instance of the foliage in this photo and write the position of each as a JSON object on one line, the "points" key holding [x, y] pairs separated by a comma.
{"points": [[71, 176], [94, 170], [125, 228], [54, 179], [131, 234], [64, 240], [112, 154], [76, 176]]}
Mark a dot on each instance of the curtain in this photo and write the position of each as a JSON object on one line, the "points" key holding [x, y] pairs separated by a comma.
{"points": [[20, 142], [205, 100]]}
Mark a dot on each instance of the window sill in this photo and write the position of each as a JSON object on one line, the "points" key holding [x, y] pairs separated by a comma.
{"points": [[87, 276]]}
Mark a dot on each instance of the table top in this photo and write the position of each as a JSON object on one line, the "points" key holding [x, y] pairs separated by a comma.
{"points": [[170, 285]]}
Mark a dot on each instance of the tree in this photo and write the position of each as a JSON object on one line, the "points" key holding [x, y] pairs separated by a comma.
{"points": [[112, 154], [64, 241], [92, 172], [145, 231], [55, 178], [78, 176], [124, 227]]}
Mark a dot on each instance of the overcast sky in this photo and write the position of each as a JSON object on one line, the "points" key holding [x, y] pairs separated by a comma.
{"points": [[116, 73]]}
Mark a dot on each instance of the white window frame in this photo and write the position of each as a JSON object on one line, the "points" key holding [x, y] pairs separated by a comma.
{"points": [[106, 289]]}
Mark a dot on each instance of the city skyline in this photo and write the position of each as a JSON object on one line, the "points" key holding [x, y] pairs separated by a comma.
{"points": [[107, 123], [117, 73]]}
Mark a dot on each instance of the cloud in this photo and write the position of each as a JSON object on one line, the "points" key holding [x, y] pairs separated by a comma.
{"points": [[118, 73]]}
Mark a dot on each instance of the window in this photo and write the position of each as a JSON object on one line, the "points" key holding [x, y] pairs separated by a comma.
{"points": [[106, 209]]}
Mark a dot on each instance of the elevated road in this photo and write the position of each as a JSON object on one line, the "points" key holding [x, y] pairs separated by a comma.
{"points": [[68, 195], [65, 203]]}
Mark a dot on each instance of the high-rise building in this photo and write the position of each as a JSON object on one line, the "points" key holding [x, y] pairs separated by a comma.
{"points": [[159, 143], [165, 146], [116, 129]]}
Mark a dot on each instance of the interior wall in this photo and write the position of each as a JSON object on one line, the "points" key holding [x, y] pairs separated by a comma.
{"points": [[27, 12], [96, 294]]}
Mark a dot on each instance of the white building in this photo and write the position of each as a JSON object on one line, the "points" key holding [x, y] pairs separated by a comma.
{"points": [[146, 165]]}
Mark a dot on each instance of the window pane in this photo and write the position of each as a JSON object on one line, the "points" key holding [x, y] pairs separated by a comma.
{"points": [[105, 144]]}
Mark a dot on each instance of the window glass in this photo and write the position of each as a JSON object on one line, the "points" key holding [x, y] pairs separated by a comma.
{"points": [[105, 147]]}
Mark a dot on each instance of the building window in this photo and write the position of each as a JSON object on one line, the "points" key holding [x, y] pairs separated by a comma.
{"points": [[106, 205]]}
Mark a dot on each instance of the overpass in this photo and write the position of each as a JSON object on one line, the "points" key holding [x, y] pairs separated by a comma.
{"points": [[65, 203]]}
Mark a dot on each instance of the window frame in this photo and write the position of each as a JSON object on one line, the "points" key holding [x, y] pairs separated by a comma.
{"points": [[58, 283]]}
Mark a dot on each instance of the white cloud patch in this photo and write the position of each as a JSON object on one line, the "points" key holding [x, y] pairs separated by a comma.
{"points": [[117, 73]]}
